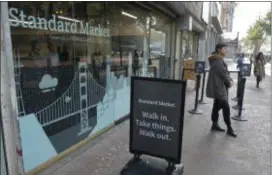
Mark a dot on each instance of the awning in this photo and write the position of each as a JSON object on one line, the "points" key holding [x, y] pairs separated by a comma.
{"points": [[217, 24], [197, 26], [187, 22]]}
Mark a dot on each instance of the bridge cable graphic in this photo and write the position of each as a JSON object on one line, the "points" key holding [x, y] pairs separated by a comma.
{"points": [[83, 94]]}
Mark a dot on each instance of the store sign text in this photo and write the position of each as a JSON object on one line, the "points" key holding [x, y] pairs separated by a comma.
{"points": [[19, 19]]}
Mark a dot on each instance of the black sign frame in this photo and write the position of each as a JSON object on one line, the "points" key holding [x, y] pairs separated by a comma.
{"points": [[177, 159], [196, 67], [246, 73]]}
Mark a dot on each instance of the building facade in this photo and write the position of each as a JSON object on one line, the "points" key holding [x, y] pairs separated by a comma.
{"points": [[68, 66], [227, 15], [233, 46], [213, 31]]}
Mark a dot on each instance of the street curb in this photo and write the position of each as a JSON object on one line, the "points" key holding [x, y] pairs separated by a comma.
{"points": [[71, 150]]}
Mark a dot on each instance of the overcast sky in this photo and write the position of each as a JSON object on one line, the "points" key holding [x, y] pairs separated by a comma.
{"points": [[246, 14]]}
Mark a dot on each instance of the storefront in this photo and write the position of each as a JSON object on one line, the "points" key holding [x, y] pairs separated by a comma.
{"points": [[189, 31], [71, 68]]}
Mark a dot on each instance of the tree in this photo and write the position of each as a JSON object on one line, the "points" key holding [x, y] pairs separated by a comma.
{"points": [[257, 33], [248, 45]]}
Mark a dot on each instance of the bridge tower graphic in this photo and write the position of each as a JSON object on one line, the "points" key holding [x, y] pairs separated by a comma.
{"points": [[83, 94]]}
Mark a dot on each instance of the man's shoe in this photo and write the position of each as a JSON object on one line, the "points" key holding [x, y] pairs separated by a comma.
{"points": [[231, 133], [216, 127]]}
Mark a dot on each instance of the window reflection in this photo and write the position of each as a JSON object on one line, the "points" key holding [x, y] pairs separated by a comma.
{"points": [[157, 44], [60, 57], [127, 24], [189, 45]]}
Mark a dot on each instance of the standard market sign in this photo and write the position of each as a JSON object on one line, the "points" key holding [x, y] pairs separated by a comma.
{"points": [[156, 123], [19, 19]]}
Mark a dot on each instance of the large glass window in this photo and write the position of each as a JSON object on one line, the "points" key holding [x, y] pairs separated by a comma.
{"points": [[195, 45], [60, 51], [127, 23], [65, 90], [160, 30], [130, 26], [189, 45], [160, 34]]}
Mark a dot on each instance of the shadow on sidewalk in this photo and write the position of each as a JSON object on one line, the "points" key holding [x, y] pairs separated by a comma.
{"points": [[149, 166]]}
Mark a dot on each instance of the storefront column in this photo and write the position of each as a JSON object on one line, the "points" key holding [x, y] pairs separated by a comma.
{"points": [[212, 37], [9, 106], [178, 56], [209, 37], [202, 49], [3, 165], [173, 49], [146, 46], [207, 44]]}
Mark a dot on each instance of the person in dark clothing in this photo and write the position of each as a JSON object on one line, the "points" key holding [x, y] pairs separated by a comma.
{"points": [[259, 68], [218, 83], [240, 60], [96, 64], [135, 62]]}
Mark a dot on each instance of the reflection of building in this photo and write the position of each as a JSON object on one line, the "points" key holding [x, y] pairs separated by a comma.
{"points": [[227, 15], [213, 32], [190, 27], [233, 44]]}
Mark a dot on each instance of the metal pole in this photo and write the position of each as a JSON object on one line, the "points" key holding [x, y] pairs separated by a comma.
{"points": [[201, 101], [182, 75], [9, 105], [195, 110], [239, 116], [237, 89]]}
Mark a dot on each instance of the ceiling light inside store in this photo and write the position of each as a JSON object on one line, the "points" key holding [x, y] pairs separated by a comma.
{"points": [[69, 19], [129, 15]]}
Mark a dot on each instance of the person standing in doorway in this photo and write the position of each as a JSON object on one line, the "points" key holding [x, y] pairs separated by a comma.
{"points": [[135, 62], [218, 83], [259, 69], [96, 63]]}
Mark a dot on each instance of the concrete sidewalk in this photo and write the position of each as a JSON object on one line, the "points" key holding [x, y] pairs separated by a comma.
{"points": [[204, 152]]}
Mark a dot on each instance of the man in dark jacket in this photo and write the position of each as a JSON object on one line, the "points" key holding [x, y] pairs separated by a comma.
{"points": [[240, 60], [217, 88]]}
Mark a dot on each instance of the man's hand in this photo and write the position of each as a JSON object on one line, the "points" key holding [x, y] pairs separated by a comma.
{"points": [[229, 83]]}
